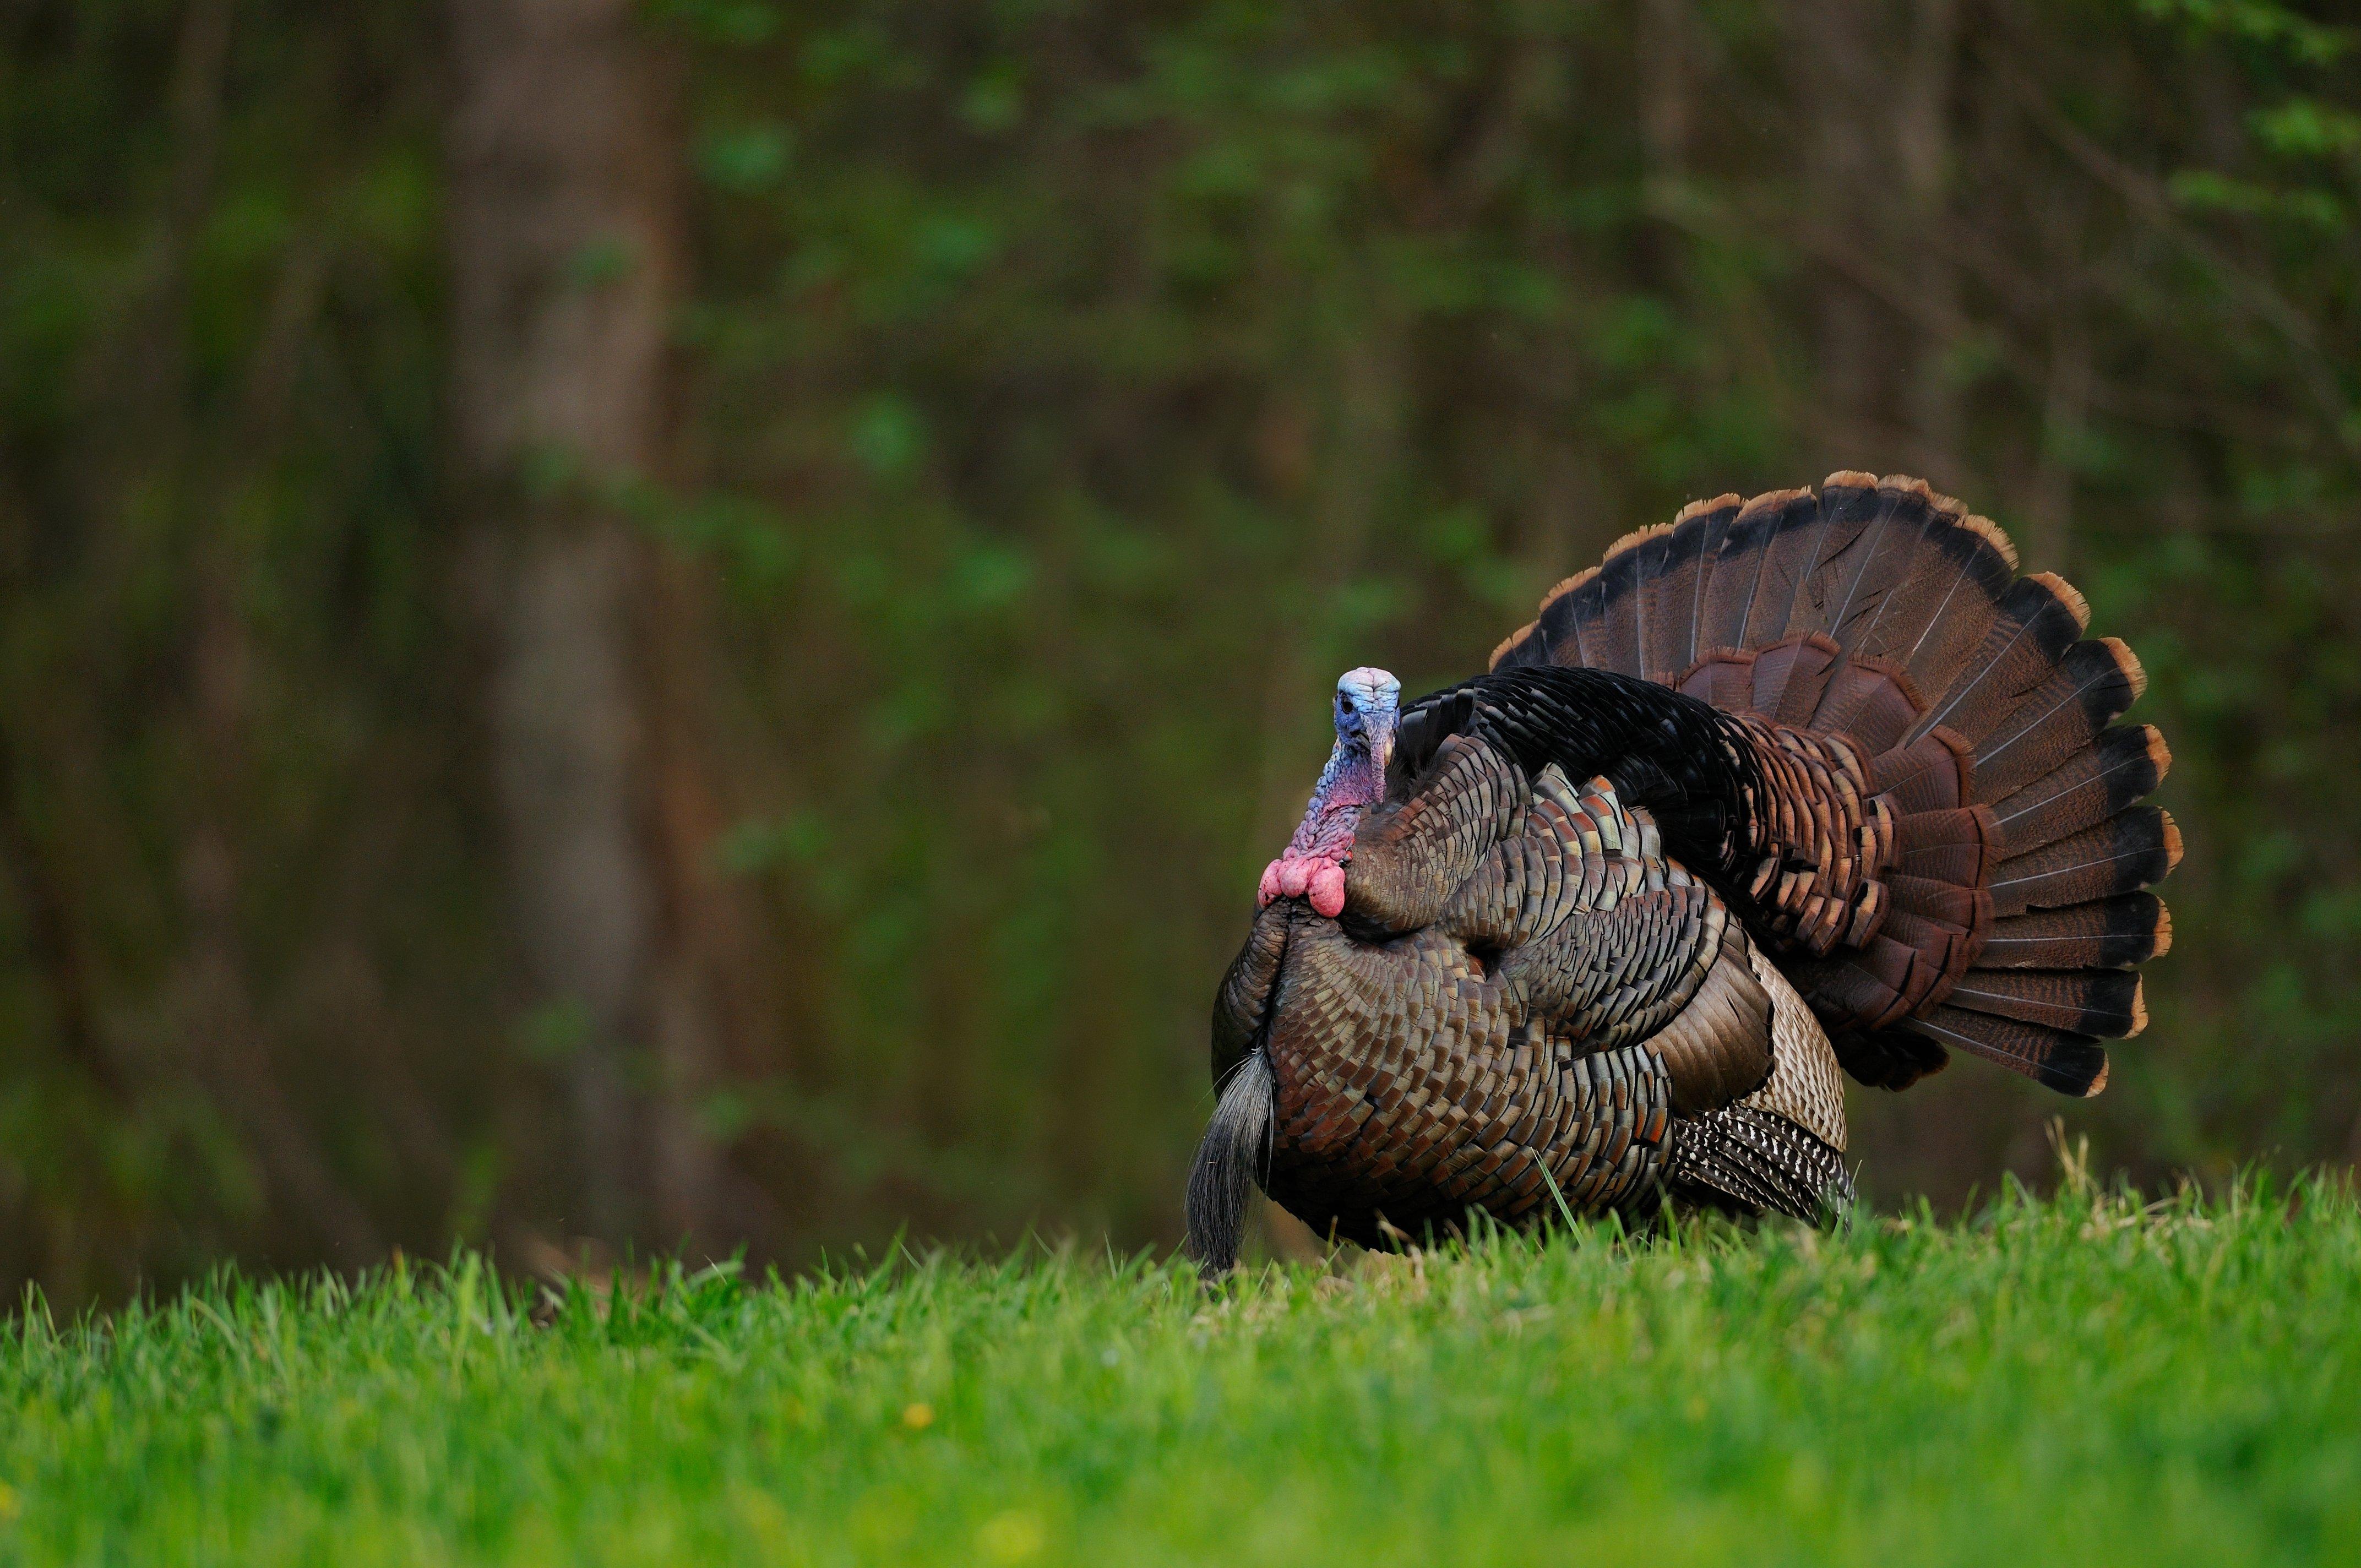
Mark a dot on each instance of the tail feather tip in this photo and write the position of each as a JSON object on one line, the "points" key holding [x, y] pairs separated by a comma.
{"points": [[2128, 662], [1699, 509], [1993, 534], [1637, 537], [2068, 595]]}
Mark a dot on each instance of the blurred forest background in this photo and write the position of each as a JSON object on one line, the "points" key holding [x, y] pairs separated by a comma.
{"points": [[629, 620]]}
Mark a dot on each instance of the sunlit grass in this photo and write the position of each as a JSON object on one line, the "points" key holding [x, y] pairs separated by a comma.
{"points": [[2083, 1379]]}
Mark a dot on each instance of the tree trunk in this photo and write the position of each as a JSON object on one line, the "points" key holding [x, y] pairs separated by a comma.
{"points": [[1666, 70], [566, 248], [1875, 85], [1841, 87], [1923, 145]]}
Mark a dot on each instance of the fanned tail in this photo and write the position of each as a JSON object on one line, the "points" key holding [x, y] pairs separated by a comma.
{"points": [[1958, 846]]}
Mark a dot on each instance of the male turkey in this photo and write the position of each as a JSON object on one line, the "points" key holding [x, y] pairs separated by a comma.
{"points": [[1807, 783]]}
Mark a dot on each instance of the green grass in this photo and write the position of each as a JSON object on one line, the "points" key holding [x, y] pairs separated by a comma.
{"points": [[2080, 1380]]}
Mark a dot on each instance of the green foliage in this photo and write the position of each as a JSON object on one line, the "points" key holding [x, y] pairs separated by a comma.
{"points": [[2089, 1379], [233, 768]]}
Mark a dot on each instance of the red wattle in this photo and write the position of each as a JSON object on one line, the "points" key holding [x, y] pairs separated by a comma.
{"points": [[1317, 877], [1327, 887]]}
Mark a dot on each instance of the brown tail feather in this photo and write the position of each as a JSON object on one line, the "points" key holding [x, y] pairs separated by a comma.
{"points": [[1621, 598], [1954, 824], [2118, 768], [1891, 550], [2059, 718], [1790, 547], [2107, 933], [2069, 1063], [1943, 616], [2083, 1002], [2133, 848], [2034, 627], [1709, 522], [1557, 635], [1737, 573], [1791, 676], [1667, 597], [1869, 699]]}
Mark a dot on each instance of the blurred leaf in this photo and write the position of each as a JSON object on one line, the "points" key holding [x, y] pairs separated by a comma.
{"points": [[557, 1029], [747, 157], [888, 435]]}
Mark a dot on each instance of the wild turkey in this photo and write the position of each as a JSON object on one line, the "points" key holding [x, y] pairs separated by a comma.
{"points": [[1807, 783]]}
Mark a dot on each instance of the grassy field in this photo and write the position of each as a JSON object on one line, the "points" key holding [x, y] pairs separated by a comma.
{"points": [[2088, 1380]]}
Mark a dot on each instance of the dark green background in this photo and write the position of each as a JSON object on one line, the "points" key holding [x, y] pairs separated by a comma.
{"points": [[1065, 393]]}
